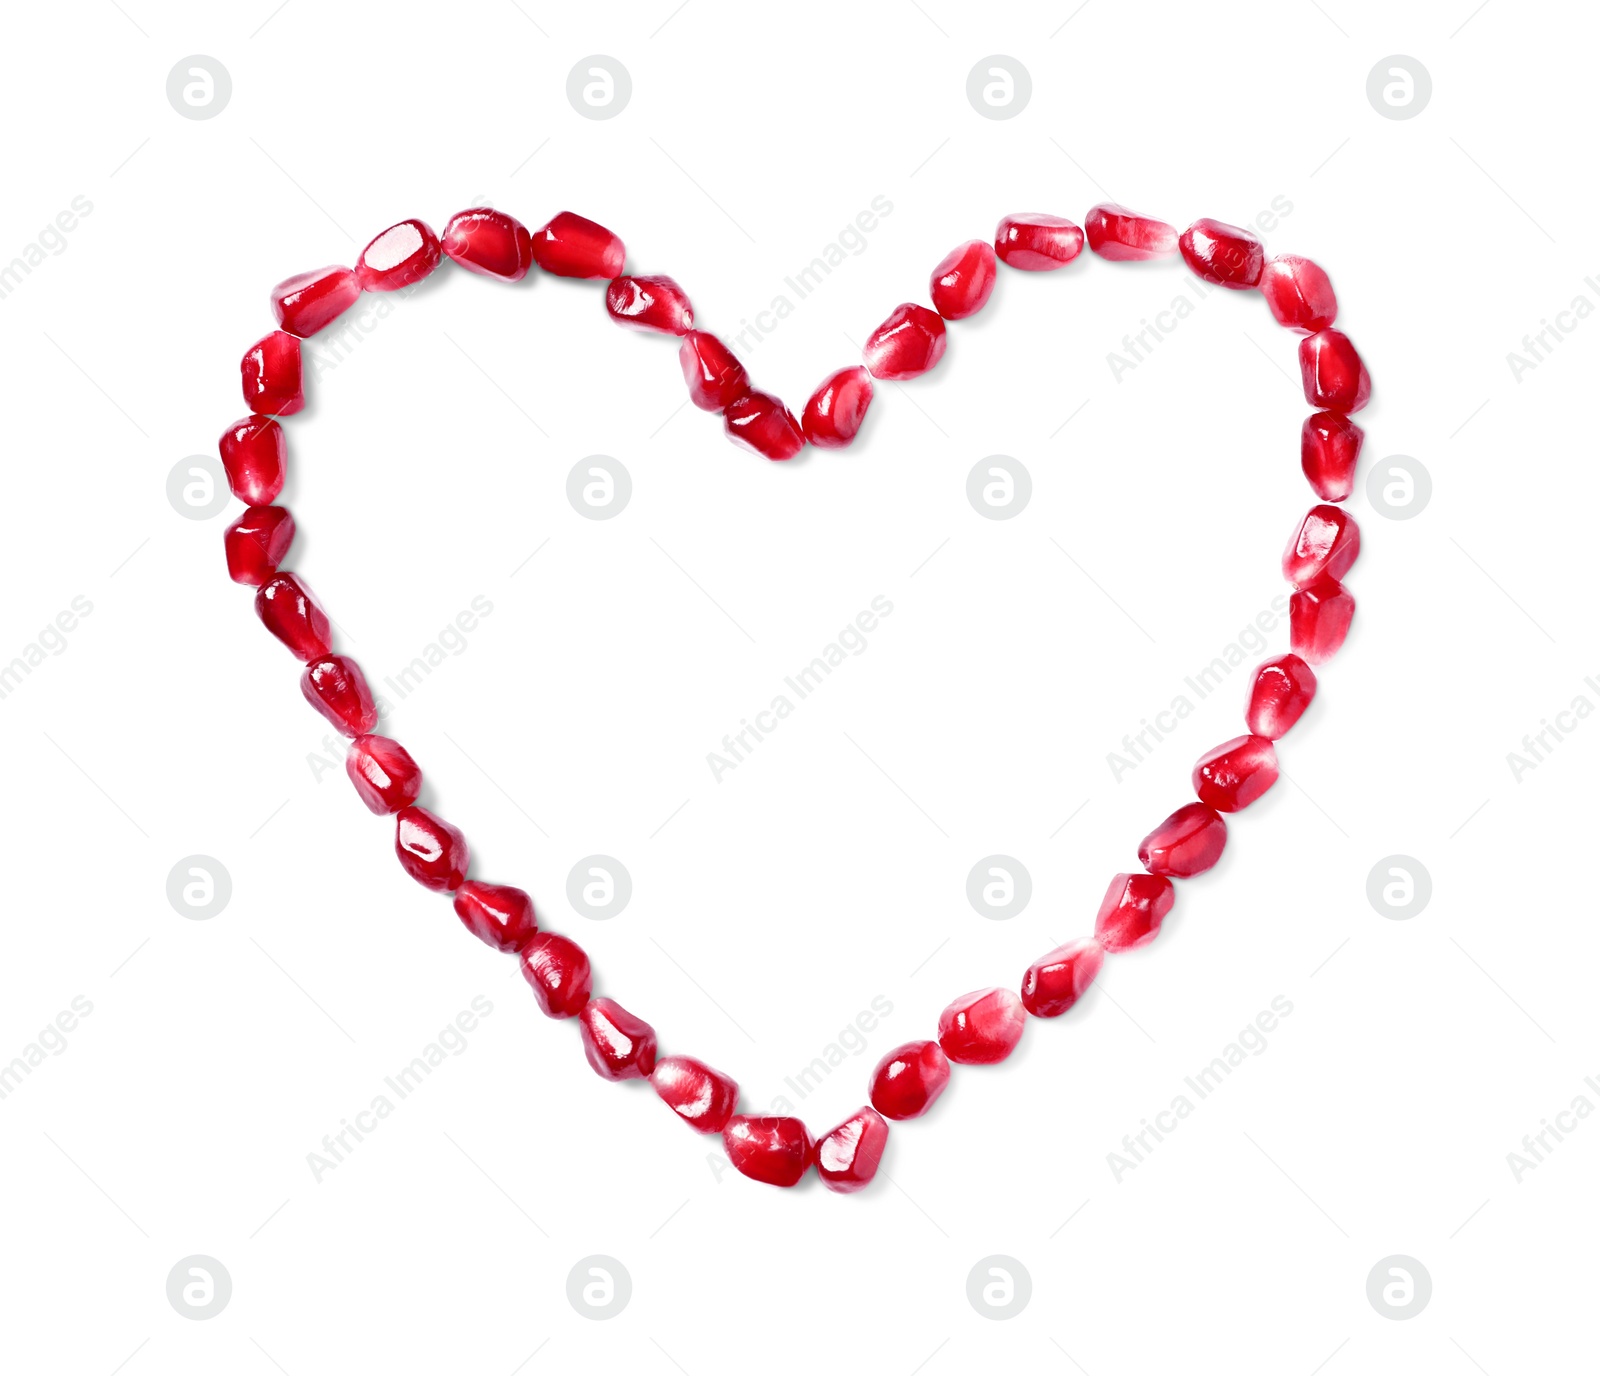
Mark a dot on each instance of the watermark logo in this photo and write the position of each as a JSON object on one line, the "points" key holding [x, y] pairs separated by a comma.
{"points": [[1399, 887], [199, 87], [199, 1287], [999, 1287], [1399, 487], [599, 487], [999, 487], [999, 887], [197, 488], [599, 87], [1399, 1287], [999, 87], [599, 1287], [1399, 87], [199, 887], [599, 887]]}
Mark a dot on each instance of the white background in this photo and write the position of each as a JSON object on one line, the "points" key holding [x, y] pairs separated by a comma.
{"points": [[828, 869]]}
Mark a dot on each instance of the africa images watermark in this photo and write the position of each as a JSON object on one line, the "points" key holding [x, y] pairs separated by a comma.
{"points": [[51, 641], [1537, 1146], [50, 242], [1537, 746], [1538, 347], [51, 1040]]}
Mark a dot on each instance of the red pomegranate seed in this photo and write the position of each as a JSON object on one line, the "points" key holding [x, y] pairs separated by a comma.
{"points": [[1057, 980], [337, 688], [402, 254], [1319, 620], [1324, 545], [1131, 912], [1330, 445], [557, 970], [1279, 695], [568, 245], [256, 543], [288, 609], [499, 915], [490, 243], [1187, 843], [761, 423], [649, 303], [837, 408], [981, 1028], [1223, 253], [775, 1151], [311, 301], [704, 1098], [254, 456], [270, 376], [962, 283], [385, 776], [848, 1155], [909, 1079], [1236, 773], [1037, 243], [1298, 293], [1332, 372], [431, 851], [906, 345], [618, 1045], [714, 376], [1125, 236]]}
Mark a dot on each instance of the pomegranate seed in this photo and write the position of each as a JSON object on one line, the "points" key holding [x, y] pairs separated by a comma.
{"points": [[1222, 253], [431, 851], [337, 688], [311, 301], [402, 254], [963, 281], [570, 246], [906, 345], [1187, 843], [982, 1027], [909, 1079], [270, 376], [775, 1151], [254, 456], [761, 423], [256, 543], [1057, 980], [385, 776], [497, 914], [649, 303], [1319, 620], [704, 1098], [848, 1156], [490, 243], [1281, 692], [1330, 445], [1324, 546], [1131, 912], [1125, 236], [1298, 293], [558, 972], [837, 408], [1236, 773], [288, 609], [1332, 372], [1037, 243], [618, 1045], [714, 376]]}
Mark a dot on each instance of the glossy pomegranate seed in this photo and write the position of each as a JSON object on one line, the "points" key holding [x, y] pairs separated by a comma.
{"points": [[288, 609], [1125, 236], [385, 776], [909, 1079], [1236, 773], [775, 1151], [256, 543], [1037, 243], [255, 457], [982, 1027], [337, 688], [1330, 445], [906, 345], [1279, 695], [704, 1098], [1187, 843], [1319, 620], [837, 408], [269, 374], [964, 280], [1298, 293], [1131, 912], [497, 914], [490, 243], [431, 851], [761, 423], [1222, 253], [311, 301], [1324, 545], [715, 377], [618, 1045], [649, 303], [848, 1156], [402, 254], [570, 246], [1332, 372], [558, 972], [1056, 981]]}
